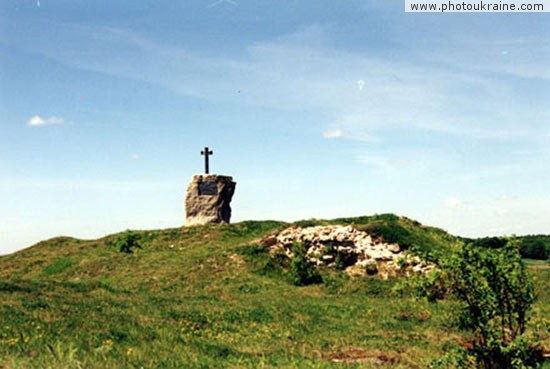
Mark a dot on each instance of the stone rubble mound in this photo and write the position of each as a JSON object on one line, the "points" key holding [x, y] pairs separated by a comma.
{"points": [[347, 248]]}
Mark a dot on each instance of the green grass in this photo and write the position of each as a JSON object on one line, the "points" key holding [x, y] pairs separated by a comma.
{"points": [[208, 297], [59, 266]]}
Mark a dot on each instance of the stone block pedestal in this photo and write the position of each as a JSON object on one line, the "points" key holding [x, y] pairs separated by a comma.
{"points": [[208, 198]]}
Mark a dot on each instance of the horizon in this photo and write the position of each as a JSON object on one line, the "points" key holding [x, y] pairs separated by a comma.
{"points": [[263, 220], [316, 109]]}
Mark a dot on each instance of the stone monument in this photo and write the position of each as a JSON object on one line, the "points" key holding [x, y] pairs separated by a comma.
{"points": [[208, 197]]}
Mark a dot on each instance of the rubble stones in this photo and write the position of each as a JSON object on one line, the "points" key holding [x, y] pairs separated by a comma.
{"points": [[347, 248], [371, 267]]}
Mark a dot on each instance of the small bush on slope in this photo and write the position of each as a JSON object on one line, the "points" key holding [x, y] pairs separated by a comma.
{"points": [[302, 272], [127, 242], [497, 294]]}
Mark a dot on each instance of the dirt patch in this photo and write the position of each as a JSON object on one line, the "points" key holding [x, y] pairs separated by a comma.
{"points": [[358, 355]]}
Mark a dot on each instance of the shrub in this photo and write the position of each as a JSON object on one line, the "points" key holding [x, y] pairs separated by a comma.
{"points": [[453, 357], [432, 286], [127, 242], [302, 271], [274, 266], [497, 293]]}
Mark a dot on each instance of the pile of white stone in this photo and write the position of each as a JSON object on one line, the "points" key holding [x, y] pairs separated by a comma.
{"points": [[356, 250]]}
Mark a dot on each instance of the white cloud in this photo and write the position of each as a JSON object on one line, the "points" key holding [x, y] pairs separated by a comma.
{"points": [[453, 203], [335, 133], [38, 121], [506, 199], [502, 212], [400, 162], [135, 156], [375, 161]]}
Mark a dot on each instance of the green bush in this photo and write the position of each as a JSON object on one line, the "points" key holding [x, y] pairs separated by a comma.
{"points": [[452, 358], [127, 242], [302, 272], [432, 286], [497, 293]]}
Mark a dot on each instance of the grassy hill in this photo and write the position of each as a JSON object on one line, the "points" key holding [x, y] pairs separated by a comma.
{"points": [[206, 297]]}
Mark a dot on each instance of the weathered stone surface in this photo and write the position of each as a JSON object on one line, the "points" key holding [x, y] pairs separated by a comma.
{"points": [[394, 248], [208, 198], [371, 267]]}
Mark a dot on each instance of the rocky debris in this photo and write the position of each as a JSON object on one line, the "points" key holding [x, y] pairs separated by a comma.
{"points": [[208, 198], [345, 247]]}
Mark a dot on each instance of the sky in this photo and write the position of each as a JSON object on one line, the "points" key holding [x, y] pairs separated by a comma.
{"points": [[318, 109]]}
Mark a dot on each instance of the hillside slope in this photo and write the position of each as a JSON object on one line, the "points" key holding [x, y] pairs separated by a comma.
{"points": [[206, 297]]}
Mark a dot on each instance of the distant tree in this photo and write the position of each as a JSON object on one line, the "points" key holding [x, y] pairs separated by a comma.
{"points": [[535, 247], [491, 242], [531, 247]]}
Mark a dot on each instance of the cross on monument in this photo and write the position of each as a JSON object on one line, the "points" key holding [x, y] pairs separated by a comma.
{"points": [[206, 152]]}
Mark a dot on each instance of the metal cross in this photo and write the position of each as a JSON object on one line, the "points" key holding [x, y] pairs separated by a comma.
{"points": [[206, 152]]}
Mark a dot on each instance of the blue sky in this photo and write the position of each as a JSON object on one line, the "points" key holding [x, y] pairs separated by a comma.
{"points": [[316, 108]]}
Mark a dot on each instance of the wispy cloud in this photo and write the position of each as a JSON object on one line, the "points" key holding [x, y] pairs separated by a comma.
{"points": [[38, 121], [218, 2], [334, 133], [302, 71], [387, 162], [453, 203]]}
